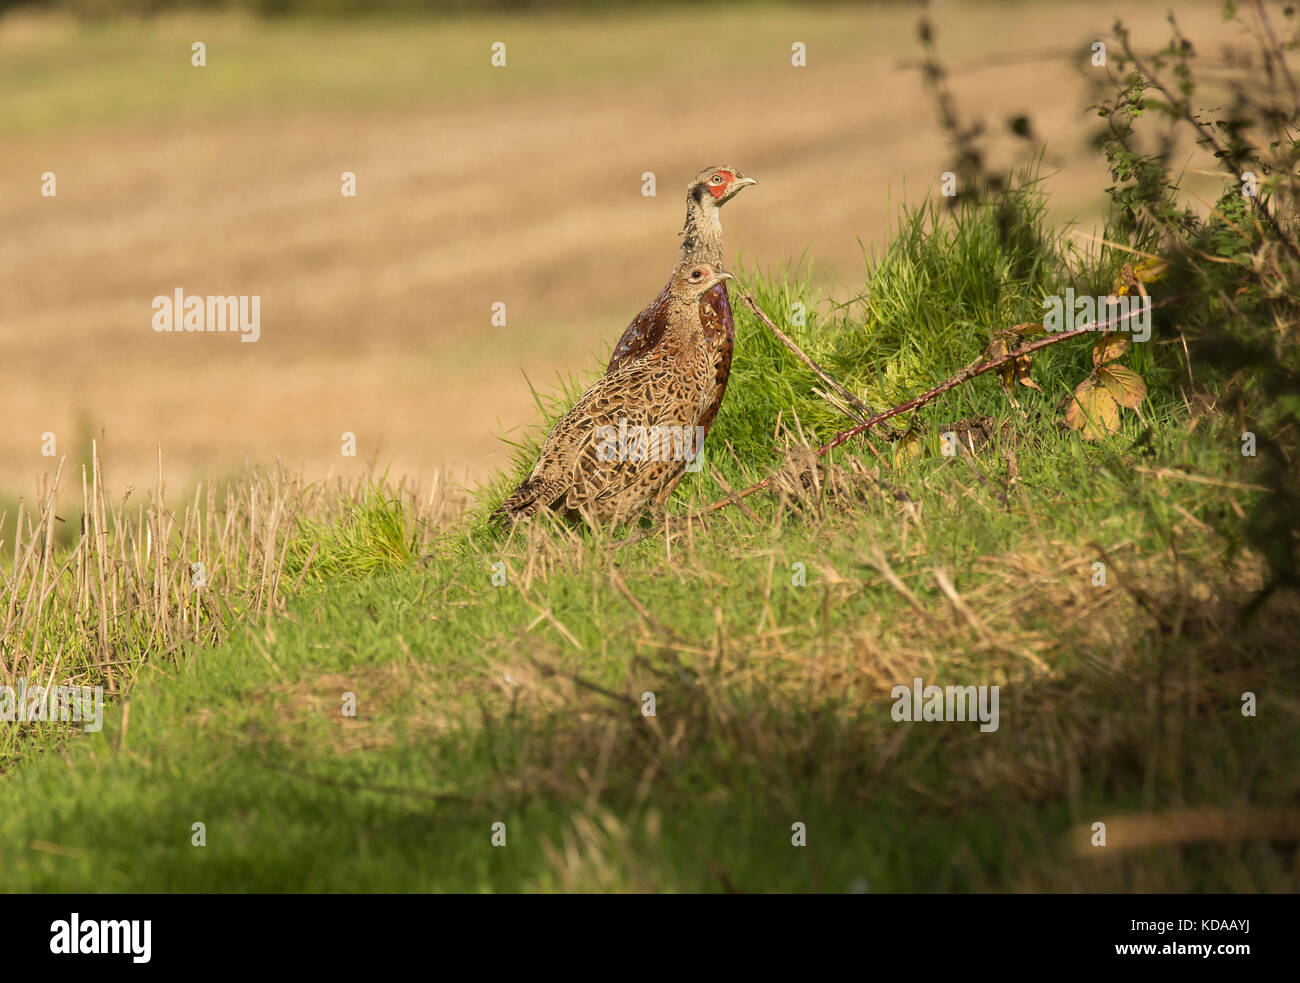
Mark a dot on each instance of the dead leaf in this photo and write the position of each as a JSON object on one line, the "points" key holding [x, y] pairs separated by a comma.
{"points": [[1109, 347], [1016, 370], [1028, 329], [1132, 279], [1093, 412], [909, 448], [996, 348], [1124, 385], [1126, 283], [1023, 376]]}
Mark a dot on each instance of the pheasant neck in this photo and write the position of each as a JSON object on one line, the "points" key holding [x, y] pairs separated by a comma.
{"points": [[684, 323], [702, 233]]}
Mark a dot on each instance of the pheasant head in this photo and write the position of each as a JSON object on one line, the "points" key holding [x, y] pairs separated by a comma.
{"points": [[690, 283], [712, 188], [684, 313]]}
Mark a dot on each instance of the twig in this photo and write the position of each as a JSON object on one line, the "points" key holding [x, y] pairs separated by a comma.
{"points": [[976, 368], [821, 373], [731, 496]]}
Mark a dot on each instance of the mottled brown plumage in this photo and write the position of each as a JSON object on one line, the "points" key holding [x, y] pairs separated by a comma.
{"points": [[655, 402], [701, 234]]}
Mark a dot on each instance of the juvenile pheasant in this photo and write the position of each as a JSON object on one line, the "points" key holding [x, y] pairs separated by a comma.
{"points": [[625, 443], [712, 188]]}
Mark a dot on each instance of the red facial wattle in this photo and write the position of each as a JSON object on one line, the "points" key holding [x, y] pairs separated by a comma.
{"points": [[720, 189]]}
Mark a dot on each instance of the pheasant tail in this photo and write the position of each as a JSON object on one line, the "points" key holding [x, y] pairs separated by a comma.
{"points": [[529, 498]]}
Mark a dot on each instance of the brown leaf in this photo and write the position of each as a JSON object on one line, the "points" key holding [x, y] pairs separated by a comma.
{"points": [[1022, 373], [1109, 347], [1016, 370], [1007, 374], [1132, 279], [909, 448], [1123, 384], [1093, 411], [1028, 329], [998, 348]]}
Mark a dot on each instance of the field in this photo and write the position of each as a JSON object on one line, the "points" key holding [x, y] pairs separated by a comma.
{"points": [[520, 185], [370, 688]]}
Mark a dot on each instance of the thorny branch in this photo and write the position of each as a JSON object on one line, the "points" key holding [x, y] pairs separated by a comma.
{"points": [[976, 368]]}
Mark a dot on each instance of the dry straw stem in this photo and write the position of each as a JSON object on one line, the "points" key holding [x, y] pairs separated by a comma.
{"points": [[144, 579]]}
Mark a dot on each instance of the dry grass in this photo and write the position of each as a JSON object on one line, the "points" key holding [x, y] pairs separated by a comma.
{"points": [[1127, 691], [145, 578]]}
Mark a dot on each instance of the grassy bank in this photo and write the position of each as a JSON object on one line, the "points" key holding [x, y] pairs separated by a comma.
{"points": [[369, 688], [503, 679], [521, 704]]}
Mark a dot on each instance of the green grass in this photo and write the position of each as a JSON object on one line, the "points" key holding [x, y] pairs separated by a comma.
{"points": [[763, 720], [520, 703], [368, 538]]}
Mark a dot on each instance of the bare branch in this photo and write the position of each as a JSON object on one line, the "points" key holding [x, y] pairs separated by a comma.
{"points": [[976, 368]]}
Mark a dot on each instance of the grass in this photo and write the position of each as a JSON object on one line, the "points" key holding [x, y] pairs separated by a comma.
{"points": [[141, 579], [482, 701], [520, 704]]}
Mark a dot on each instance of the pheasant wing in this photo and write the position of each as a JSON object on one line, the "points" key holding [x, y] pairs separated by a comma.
{"points": [[645, 331]]}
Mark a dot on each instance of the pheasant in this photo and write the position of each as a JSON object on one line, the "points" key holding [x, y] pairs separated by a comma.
{"points": [[626, 442], [712, 188]]}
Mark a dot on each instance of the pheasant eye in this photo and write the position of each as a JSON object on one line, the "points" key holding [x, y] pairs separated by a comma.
{"points": [[716, 179]]}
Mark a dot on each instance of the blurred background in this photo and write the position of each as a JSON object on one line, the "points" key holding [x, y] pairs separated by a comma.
{"points": [[475, 185]]}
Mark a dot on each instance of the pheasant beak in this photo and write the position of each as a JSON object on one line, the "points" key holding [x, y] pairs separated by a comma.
{"points": [[736, 185]]}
